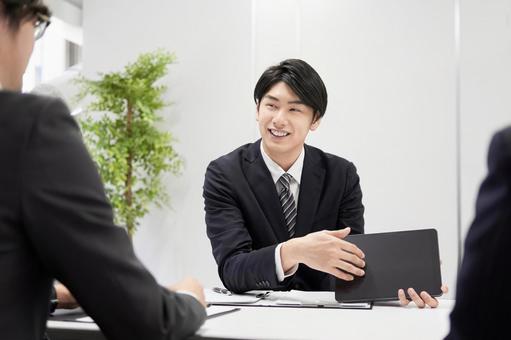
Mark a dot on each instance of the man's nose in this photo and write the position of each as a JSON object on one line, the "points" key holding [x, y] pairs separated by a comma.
{"points": [[280, 119]]}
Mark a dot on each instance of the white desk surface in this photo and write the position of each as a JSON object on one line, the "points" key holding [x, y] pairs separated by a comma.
{"points": [[382, 322], [389, 321]]}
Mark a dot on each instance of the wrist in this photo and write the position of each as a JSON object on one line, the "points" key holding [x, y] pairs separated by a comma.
{"points": [[290, 254]]}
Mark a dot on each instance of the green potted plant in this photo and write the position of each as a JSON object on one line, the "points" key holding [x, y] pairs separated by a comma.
{"points": [[120, 130]]}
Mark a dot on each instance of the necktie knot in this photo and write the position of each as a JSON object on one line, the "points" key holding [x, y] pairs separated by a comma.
{"points": [[285, 180]]}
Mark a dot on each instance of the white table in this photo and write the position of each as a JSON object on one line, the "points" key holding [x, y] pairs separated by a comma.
{"points": [[388, 321]]}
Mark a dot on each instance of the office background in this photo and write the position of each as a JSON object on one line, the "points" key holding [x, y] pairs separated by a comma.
{"points": [[416, 89]]}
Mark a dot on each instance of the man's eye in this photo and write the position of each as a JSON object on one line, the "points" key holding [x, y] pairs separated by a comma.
{"points": [[271, 106], [295, 110]]}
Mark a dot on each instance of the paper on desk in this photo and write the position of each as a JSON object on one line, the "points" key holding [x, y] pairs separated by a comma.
{"points": [[312, 299], [293, 298], [234, 299], [85, 319], [71, 315], [213, 311]]}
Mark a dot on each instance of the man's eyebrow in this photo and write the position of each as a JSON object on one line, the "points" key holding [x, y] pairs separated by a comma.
{"points": [[271, 97], [298, 101]]}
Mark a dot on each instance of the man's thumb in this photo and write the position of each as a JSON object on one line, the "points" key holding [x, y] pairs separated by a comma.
{"points": [[341, 233]]}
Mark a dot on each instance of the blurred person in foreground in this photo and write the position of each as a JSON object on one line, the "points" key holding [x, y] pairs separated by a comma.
{"points": [[482, 303], [56, 222]]}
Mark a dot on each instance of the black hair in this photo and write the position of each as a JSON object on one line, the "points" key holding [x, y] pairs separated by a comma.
{"points": [[301, 78], [16, 11]]}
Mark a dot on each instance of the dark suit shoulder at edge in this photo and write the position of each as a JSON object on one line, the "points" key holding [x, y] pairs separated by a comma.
{"points": [[235, 155], [328, 157], [28, 98], [30, 106], [499, 153], [506, 135]]}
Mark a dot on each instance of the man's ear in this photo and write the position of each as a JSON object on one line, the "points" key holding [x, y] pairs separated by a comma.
{"points": [[257, 112], [315, 124]]}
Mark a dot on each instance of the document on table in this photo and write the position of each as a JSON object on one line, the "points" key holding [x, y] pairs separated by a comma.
{"points": [[293, 298], [214, 311], [225, 297], [301, 298], [71, 315], [78, 315], [84, 319]]}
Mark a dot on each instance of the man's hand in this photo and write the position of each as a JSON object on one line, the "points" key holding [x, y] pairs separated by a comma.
{"points": [[326, 251], [65, 299], [421, 300], [190, 285]]}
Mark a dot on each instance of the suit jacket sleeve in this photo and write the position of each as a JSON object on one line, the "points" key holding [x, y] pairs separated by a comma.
{"points": [[481, 310], [351, 209], [69, 223], [240, 267]]}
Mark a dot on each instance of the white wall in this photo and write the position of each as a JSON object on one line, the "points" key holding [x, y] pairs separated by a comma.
{"points": [[390, 70], [485, 89]]}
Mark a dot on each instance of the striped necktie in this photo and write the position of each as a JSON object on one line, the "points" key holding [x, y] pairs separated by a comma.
{"points": [[287, 201]]}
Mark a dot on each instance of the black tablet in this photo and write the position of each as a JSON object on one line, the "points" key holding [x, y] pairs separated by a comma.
{"points": [[394, 260]]}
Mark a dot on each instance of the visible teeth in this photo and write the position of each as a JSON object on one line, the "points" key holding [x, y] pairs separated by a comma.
{"points": [[279, 133]]}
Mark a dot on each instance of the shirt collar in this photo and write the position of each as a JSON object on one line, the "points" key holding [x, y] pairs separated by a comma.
{"points": [[276, 171]]}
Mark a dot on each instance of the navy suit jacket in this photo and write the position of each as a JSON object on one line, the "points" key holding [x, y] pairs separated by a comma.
{"points": [[56, 222], [482, 294], [245, 221]]}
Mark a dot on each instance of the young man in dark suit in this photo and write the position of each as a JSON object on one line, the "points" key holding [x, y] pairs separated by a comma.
{"points": [[278, 210], [55, 221], [482, 301]]}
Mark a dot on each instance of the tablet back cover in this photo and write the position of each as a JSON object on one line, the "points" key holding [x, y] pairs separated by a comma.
{"points": [[394, 260]]}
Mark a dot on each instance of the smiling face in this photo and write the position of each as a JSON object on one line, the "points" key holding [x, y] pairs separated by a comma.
{"points": [[284, 122]]}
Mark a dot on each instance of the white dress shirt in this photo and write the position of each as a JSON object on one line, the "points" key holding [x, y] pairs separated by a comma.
{"points": [[276, 172]]}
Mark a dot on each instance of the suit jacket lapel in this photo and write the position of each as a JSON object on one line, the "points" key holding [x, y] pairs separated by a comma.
{"points": [[259, 179], [311, 185]]}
